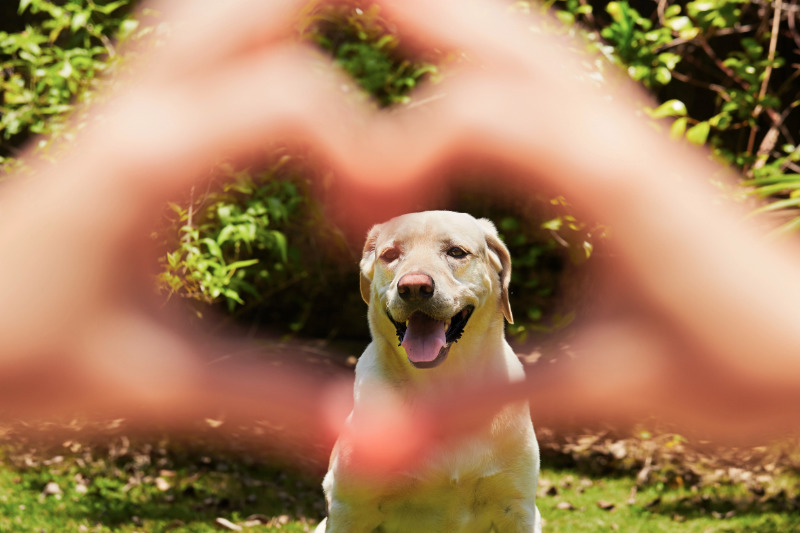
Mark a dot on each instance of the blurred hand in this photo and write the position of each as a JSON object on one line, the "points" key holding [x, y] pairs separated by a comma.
{"points": [[82, 329], [700, 329]]}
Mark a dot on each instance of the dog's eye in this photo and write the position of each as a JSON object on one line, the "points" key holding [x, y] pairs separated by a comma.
{"points": [[457, 252], [390, 255]]}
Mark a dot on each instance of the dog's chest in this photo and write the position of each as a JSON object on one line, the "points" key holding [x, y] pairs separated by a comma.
{"points": [[487, 483], [454, 505]]}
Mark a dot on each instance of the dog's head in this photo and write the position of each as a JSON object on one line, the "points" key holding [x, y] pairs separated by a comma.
{"points": [[428, 277]]}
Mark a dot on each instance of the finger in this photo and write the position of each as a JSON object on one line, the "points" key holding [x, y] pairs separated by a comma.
{"points": [[626, 371], [282, 394], [207, 33], [469, 119], [284, 93], [485, 31], [288, 93]]}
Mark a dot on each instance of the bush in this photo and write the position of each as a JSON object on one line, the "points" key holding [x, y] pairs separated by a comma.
{"points": [[720, 69], [51, 55], [251, 242]]}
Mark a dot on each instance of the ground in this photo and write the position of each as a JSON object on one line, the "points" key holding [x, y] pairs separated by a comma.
{"points": [[589, 483]]}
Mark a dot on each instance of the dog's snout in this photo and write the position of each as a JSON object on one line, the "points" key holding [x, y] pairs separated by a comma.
{"points": [[415, 286]]}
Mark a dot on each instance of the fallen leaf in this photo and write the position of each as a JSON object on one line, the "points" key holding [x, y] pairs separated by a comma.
{"points": [[51, 488], [565, 506], [260, 518], [606, 506], [227, 524], [618, 449]]}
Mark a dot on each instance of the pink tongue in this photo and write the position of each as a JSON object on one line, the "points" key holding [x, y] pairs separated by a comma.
{"points": [[424, 338]]}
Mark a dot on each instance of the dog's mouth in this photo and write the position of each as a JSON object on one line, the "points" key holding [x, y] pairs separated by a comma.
{"points": [[426, 340]]}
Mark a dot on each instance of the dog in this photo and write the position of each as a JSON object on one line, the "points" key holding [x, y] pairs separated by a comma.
{"points": [[436, 284]]}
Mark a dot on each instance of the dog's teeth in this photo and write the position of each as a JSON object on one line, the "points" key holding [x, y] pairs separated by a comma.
{"points": [[447, 324]]}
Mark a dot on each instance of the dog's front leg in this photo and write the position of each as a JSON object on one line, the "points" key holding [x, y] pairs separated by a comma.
{"points": [[519, 518], [344, 518]]}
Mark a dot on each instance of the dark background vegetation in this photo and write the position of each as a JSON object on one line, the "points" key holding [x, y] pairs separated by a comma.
{"points": [[255, 248]]}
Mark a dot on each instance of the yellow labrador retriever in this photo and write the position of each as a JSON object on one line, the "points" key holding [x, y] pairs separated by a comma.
{"points": [[437, 288]]}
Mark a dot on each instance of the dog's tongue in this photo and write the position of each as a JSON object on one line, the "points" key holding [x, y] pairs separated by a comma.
{"points": [[424, 338]]}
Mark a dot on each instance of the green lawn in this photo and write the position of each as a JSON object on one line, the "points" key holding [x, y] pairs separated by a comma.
{"points": [[119, 486], [579, 504]]}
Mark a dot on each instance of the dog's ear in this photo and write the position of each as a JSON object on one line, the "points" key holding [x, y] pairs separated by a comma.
{"points": [[367, 263], [501, 260]]}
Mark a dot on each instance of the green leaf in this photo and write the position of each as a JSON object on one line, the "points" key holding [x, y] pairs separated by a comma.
{"points": [[663, 75], [678, 128], [282, 244], [111, 7], [79, 21], [173, 258], [509, 224], [669, 60], [721, 121], [775, 206], [679, 23], [231, 294], [240, 264], [387, 39], [23, 6], [670, 108], [695, 8], [769, 190], [566, 18], [774, 178], [752, 48], [213, 247], [698, 134]]}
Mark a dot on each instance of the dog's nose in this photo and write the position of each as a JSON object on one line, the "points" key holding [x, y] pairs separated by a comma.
{"points": [[415, 286]]}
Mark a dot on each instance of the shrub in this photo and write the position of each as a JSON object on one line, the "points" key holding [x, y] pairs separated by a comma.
{"points": [[719, 68], [52, 61]]}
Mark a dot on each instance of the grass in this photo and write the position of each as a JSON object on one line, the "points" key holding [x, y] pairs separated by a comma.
{"points": [[269, 501], [120, 486], [578, 504], [123, 487]]}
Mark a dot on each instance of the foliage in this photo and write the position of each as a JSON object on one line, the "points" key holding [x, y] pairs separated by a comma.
{"points": [[548, 251], [228, 230], [54, 60], [362, 45], [721, 69], [237, 251], [637, 44], [549, 247]]}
